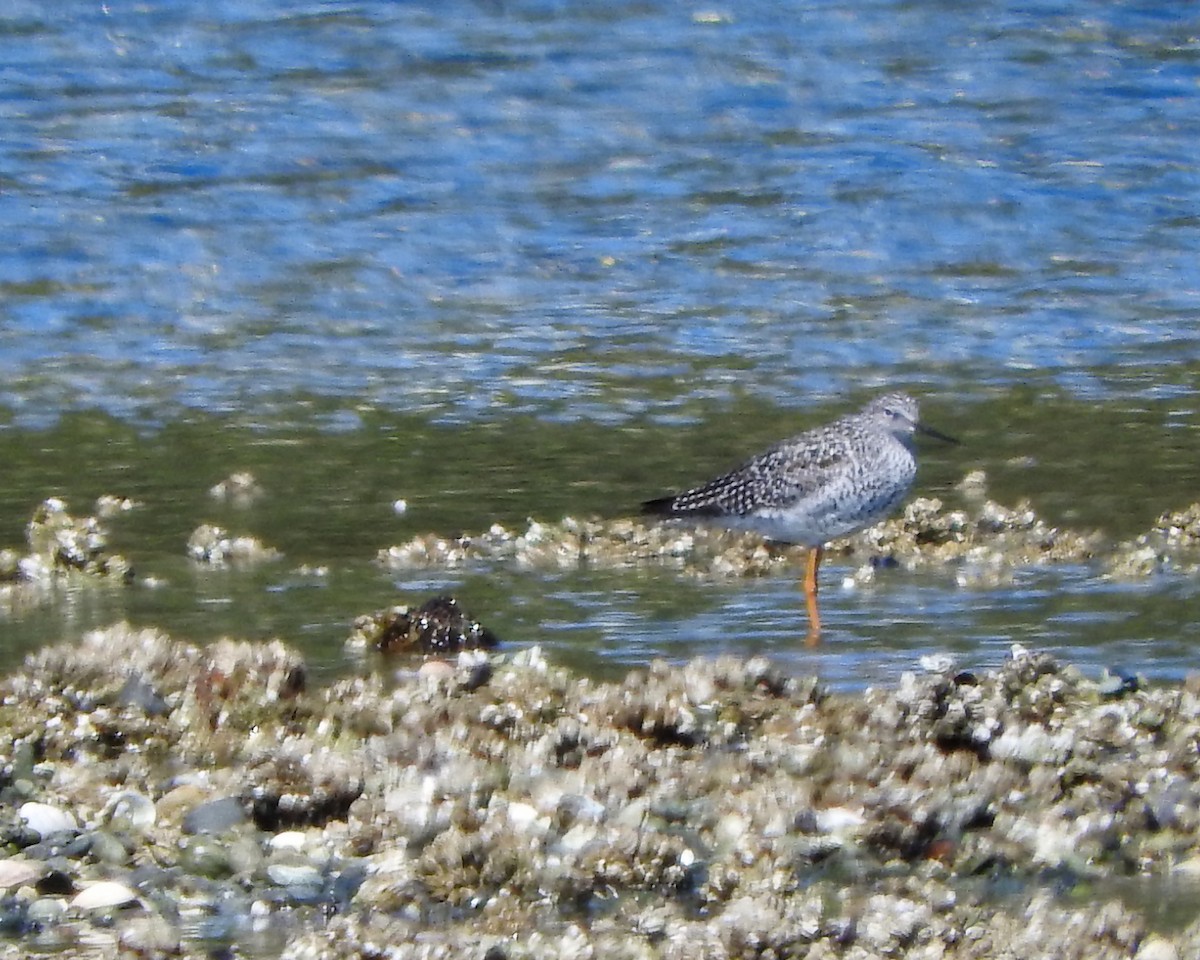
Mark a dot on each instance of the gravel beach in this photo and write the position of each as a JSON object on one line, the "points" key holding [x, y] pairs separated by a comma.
{"points": [[162, 799]]}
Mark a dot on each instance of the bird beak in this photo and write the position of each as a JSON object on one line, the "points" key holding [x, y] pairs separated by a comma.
{"points": [[936, 434]]}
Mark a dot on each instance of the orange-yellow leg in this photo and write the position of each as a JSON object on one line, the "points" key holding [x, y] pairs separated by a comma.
{"points": [[810, 595]]}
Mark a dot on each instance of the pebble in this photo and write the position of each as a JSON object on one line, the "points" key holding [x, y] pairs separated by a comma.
{"points": [[173, 805], [104, 895], [1155, 947], [150, 937], [292, 840], [215, 816], [46, 910], [294, 874], [205, 856], [244, 855], [937, 663], [241, 489], [106, 848], [15, 872], [138, 693], [130, 810], [46, 820], [214, 545], [435, 671]]}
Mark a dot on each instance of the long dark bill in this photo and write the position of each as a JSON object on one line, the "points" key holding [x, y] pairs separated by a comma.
{"points": [[936, 434]]}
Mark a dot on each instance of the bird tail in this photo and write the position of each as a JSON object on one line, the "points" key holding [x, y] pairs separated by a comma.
{"points": [[659, 507]]}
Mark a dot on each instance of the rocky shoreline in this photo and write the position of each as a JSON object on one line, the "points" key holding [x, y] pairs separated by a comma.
{"points": [[979, 540], [164, 799], [982, 541], [167, 800]]}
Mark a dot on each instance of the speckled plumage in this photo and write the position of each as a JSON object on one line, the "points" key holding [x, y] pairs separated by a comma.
{"points": [[825, 483]]}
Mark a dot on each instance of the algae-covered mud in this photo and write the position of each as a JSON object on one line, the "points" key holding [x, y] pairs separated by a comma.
{"points": [[163, 799]]}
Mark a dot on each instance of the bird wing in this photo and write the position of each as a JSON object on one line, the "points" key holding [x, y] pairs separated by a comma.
{"points": [[778, 477]]}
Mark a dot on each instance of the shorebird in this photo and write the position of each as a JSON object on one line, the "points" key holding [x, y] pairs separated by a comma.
{"points": [[826, 483]]}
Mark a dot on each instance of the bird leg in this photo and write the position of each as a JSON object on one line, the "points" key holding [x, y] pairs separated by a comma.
{"points": [[810, 595]]}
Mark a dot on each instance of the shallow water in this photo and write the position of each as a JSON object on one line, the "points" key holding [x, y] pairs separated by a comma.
{"points": [[328, 507], [536, 259]]}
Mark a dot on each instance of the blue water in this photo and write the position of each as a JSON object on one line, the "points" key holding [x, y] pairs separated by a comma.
{"points": [[582, 211], [295, 215]]}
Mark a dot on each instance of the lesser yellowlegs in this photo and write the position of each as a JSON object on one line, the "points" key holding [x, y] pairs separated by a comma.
{"points": [[823, 484]]}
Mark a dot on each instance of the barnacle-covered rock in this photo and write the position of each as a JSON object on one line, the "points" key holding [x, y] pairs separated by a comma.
{"points": [[1172, 543], [61, 545], [714, 808], [984, 540], [214, 545], [438, 626], [241, 489], [299, 782]]}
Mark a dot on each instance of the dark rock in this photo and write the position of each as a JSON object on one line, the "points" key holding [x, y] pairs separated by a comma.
{"points": [[439, 625]]}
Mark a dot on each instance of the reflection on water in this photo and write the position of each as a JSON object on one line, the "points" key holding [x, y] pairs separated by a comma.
{"points": [[873, 634], [328, 506]]}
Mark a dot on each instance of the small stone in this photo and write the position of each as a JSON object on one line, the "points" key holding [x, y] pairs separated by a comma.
{"points": [[173, 805], [213, 545], [435, 671], [150, 936], [106, 848], [438, 626], [109, 505], [294, 874], [1189, 868], [1116, 683], [215, 816], [207, 857], [15, 872], [46, 910], [46, 820], [839, 821], [473, 669], [130, 810], [240, 488], [137, 692], [293, 840], [244, 855], [937, 663], [1155, 947], [104, 895]]}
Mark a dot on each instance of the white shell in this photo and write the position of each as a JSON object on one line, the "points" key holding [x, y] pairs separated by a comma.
{"points": [[104, 895], [288, 840], [46, 820], [131, 807]]}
